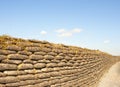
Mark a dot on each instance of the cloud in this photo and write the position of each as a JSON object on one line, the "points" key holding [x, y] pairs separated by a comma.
{"points": [[67, 33], [43, 32], [60, 30], [76, 30], [107, 41]]}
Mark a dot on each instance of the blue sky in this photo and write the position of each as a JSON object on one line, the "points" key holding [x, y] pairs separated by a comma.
{"points": [[93, 24]]}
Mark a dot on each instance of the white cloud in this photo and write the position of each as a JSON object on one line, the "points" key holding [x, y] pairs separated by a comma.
{"points": [[107, 41], [60, 31], [67, 33], [76, 30], [43, 32]]}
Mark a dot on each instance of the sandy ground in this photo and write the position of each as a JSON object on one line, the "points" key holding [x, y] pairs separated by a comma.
{"points": [[112, 78]]}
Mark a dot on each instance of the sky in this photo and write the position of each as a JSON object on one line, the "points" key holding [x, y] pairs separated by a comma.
{"points": [[93, 24]]}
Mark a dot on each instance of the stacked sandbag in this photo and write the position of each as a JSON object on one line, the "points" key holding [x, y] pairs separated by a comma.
{"points": [[32, 63]]}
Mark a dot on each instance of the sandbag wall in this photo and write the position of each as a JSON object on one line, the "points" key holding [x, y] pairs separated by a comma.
{"points": [[31, 63]]}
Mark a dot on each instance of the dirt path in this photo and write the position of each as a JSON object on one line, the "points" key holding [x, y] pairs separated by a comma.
{"points": [[112, 77]]}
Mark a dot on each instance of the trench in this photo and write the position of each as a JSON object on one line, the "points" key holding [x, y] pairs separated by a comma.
{"points": [[112, 77]]}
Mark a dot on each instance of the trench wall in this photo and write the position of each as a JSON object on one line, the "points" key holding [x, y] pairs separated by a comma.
{"points": [[32, 63]]}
